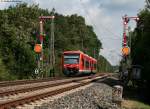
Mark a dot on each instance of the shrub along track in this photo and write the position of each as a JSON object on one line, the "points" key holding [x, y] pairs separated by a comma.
{"points": [[40, 92]]}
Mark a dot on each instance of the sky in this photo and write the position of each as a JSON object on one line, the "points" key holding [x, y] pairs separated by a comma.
{"points": [[104, 15]]}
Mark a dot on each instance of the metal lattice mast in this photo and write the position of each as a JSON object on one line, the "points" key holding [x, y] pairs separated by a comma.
{"points": [[52, 49], [42, 54]]}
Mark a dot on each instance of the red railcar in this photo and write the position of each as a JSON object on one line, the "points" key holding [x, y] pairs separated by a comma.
{"points": [[77, 63]]}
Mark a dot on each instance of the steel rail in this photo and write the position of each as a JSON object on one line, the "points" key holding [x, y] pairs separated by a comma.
{"points": [[21, 82]]}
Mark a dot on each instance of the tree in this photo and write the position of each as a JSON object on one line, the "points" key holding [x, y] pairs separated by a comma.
{"points": [[140, 43], [148, 3]]}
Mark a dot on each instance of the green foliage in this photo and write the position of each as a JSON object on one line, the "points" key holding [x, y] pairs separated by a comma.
{"points": [[16, 27], [71, 33], [140, 43], [148, 4], [104, 65]]}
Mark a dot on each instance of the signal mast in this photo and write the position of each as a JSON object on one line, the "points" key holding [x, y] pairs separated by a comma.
{"points": [[126, 19], [126, 50], [39, 47]]}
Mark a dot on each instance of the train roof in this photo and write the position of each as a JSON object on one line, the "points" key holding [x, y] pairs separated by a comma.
{"points": [[80, 52]]}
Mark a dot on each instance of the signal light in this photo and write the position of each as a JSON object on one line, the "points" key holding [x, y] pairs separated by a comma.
{"points": [[125, 51], [38, 48], [126, 20], [125, 23], [137, 19]]}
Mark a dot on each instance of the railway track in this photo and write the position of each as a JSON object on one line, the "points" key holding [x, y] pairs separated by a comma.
{"points": [[21, 82], [27, 95], [28, 88]]}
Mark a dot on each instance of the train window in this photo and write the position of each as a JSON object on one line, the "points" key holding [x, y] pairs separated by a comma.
{"points": [[71, 58], [71, 61], [92, 64], [87, 64], [83, 62], [95, 66]]}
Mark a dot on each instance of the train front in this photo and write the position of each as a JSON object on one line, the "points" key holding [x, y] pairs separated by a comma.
{"points": [[71, 63]]}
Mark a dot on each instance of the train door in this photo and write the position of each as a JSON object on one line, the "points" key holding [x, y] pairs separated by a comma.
{"points": [[92, 67]]}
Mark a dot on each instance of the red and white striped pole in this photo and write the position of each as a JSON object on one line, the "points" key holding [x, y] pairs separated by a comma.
{"points": [[126, 20]]}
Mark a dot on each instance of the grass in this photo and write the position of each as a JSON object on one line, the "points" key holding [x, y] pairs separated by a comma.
{"points": [[134, 97], [133, 104]]}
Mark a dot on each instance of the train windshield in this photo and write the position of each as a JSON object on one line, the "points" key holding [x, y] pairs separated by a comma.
{"points": [[71, 58]]}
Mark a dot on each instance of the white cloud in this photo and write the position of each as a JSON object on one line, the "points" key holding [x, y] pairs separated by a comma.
{"points": [[123, 2], [4, 5], [85, 1]]}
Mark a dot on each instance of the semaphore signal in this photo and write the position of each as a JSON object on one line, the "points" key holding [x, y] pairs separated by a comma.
{"points": [[126, 19], [39, 46]]}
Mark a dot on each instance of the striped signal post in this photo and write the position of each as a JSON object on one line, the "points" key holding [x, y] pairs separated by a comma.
{"points": [[126, 20], [38, 48], [126, 50]]}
